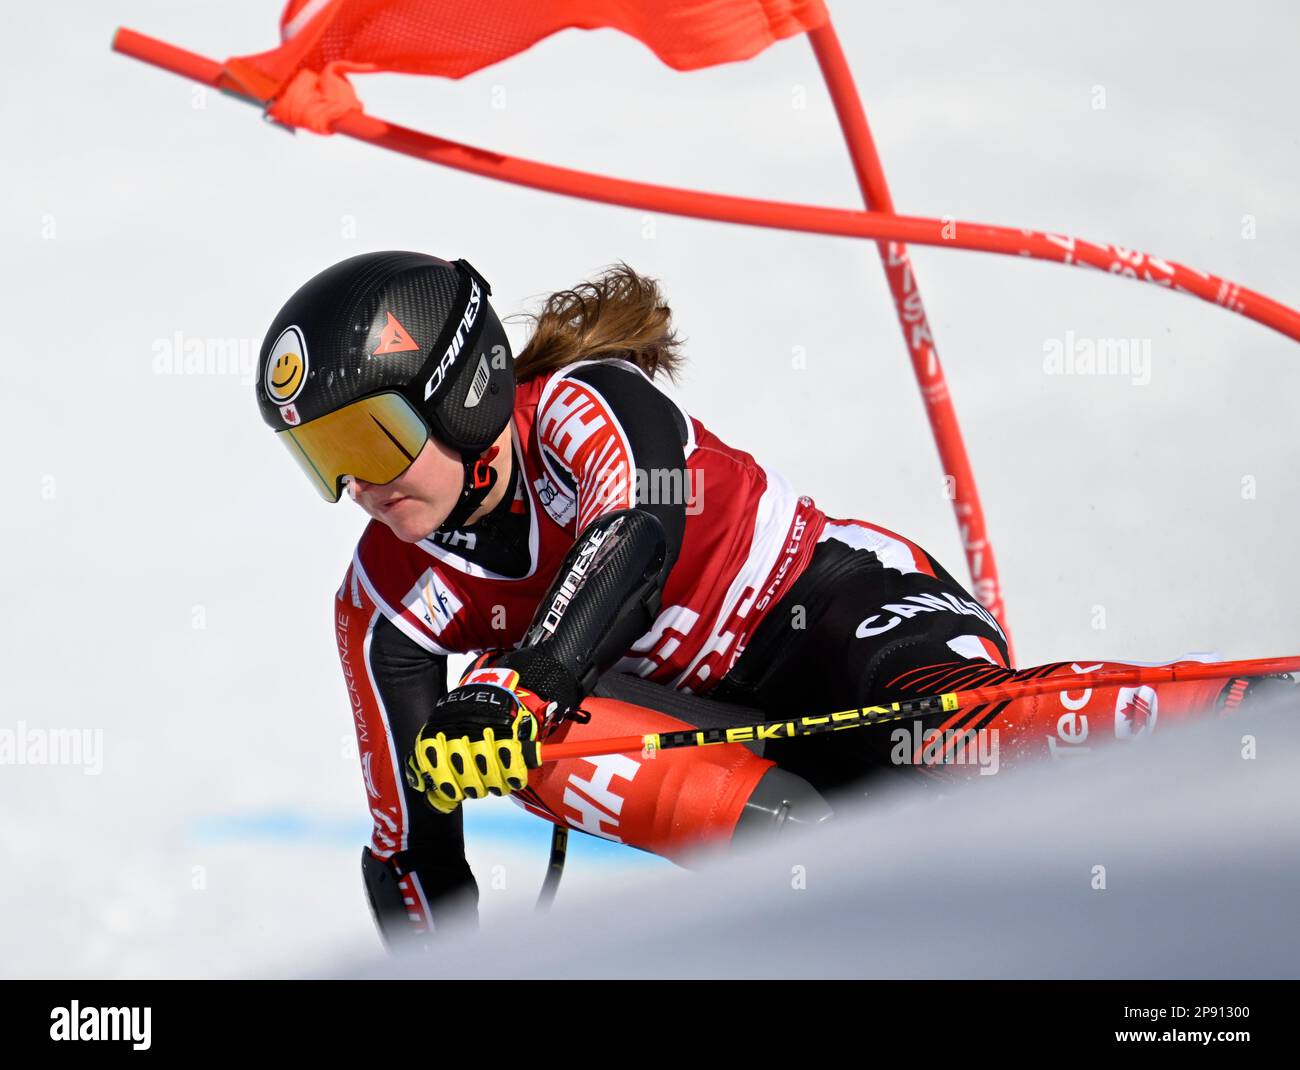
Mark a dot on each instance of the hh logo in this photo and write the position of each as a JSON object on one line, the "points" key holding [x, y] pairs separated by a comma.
{"points": [[593, 800], [572, 415], [433, 602]]}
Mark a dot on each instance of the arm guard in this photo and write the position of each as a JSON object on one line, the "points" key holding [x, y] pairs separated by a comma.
{"points": [[604, 596]]}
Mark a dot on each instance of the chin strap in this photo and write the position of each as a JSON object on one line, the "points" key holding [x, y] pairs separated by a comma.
{"points": [[480, 478]]}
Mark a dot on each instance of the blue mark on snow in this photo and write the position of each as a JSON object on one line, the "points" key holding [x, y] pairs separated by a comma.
{"points": [[499, 824]]}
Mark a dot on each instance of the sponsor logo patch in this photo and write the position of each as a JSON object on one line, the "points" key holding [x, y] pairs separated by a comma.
{"points": [[448, 360], [394, 338], [913, 604], [286, 368], [560, 505], [433, 602]]}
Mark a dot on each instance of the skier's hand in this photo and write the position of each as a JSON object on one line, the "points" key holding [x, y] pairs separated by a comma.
{"points": [[538, 671], [481, 740]]}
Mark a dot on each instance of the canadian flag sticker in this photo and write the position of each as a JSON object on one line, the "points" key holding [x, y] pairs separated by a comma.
{"points": [[1135, 712], [506, 678]]}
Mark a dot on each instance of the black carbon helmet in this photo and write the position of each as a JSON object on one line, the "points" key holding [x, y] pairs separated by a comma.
{"points": [[392, 321]]}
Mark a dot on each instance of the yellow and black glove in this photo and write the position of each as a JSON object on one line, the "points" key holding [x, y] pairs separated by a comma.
{"points": [[482, 739]]}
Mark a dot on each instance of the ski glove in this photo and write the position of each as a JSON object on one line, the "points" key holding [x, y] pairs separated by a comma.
{"points": [[539, 671], [481, 739]]}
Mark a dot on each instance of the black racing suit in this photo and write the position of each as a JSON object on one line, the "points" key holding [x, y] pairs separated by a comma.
{"points": [[782, 670]]}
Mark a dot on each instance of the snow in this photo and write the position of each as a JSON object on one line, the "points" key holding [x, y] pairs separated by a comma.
{"points": [[1176, 857]]}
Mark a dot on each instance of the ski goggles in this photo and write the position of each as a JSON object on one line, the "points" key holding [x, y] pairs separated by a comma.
{"points": [[374, 438]]}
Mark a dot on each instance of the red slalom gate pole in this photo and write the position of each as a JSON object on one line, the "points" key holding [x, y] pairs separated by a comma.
{"points": [[946, 702], [779, 215], [944, 427]]}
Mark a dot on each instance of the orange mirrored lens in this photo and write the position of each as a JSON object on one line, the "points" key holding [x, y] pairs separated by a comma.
{"points": [[374, 439]]}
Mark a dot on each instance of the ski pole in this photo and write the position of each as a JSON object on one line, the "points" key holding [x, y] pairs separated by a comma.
{"points": [[554, 867], [946, 702]]}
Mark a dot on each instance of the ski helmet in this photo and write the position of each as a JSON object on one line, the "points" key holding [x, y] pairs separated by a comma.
{"points": [[375, 354]]}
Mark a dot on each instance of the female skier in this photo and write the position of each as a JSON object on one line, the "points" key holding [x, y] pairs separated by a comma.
{"points": [[619, 570]]}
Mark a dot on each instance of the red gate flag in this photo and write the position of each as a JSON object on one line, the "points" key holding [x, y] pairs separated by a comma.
{"points": [[454, 38]]}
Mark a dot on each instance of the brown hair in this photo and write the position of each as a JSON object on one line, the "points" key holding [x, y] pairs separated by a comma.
{"points": [[617, 314]]}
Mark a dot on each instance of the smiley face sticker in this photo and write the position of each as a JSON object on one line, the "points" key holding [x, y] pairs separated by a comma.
{"points": [[286, 370]]}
